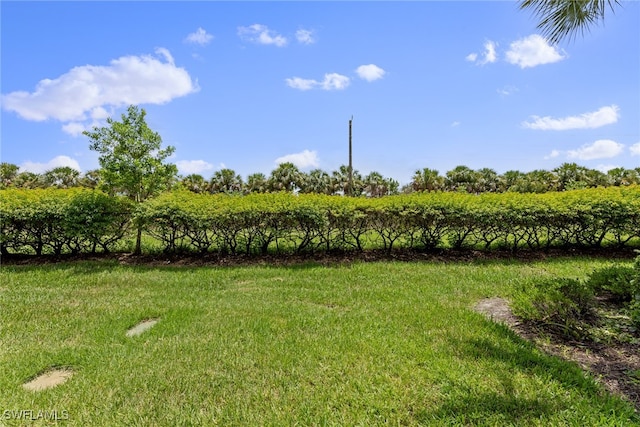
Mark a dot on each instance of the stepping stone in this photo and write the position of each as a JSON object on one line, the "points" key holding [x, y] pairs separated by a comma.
{"points": [[141, 327], [48, 379]]}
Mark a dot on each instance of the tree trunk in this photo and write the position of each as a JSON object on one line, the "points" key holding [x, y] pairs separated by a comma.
{"points": [[138, 250]]}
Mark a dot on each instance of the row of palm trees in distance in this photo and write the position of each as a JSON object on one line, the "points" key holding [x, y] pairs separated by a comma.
{"points": [[289, 178]]}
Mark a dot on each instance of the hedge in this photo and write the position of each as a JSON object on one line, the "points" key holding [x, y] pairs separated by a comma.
{"points": [[83, 220], [57, 221]]}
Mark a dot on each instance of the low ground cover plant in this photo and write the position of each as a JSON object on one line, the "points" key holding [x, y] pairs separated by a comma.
{"points": [[568, 306]]}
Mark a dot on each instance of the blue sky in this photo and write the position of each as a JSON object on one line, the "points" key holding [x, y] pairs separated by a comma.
{"points": [[245, 85]]}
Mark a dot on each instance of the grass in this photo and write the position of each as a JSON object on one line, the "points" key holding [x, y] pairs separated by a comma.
{"points": [[360, 344]]}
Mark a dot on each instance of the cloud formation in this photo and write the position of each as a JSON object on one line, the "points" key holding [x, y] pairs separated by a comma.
{"points": [[58, 161], [331, 81], [301, 84], [532, 51], [604, 116], [527, 52], [370, 72], [601, 149], [489, 55], [303, 160], [305, 36], [261, 34], [635, 149], [552, 155], [507, 90], [187, 167], [605, 168], [85, 92], [199, 37], [335, 81]]}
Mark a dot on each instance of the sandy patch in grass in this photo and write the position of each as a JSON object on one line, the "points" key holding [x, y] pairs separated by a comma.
{"points": [[496, 309], [48, 379], [142, 327]]}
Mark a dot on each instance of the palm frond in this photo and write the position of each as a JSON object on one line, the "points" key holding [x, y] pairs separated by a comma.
{"points": [[560, 19]]}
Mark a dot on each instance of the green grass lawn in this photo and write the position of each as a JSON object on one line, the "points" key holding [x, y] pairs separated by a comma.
{"points": [[360, 344]]}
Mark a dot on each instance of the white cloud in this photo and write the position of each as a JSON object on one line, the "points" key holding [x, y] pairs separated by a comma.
{"points": [[200, 36], [188, 167], [507, 90], [552, 155], [335, 81], [83, 92], [489, 52], [601, 149], [370, 72], [532, 51], [332, 81], [59, 161], [261, 34], [75, 128], [489, 55], [605, 168], [301, 84], [455, 124], [592, 120], [635, 149], [98, 116], [303, 160], [305, 36]]}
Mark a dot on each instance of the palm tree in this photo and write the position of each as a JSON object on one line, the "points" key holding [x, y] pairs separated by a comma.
{"points": [[8, 173], [256, 183], [90, 179], [427, 180], [195, 183], [286, 177], [375, 185], [317, 181], [560, 19], [62, 177], [461, 178], [623, 177], [510, 179], [226, 181], [29, 180], [340, 181], [487, 181], [571, 176]]}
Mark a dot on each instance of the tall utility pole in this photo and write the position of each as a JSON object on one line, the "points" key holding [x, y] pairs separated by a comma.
{"points": [[350, 185]]}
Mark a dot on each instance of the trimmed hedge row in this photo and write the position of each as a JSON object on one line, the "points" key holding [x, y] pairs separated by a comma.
{"points": [[82, 220], [262, 222], [57, 221]]}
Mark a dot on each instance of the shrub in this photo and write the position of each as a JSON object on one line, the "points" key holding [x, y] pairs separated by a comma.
{"points": [[560, 304], [615, 279]]}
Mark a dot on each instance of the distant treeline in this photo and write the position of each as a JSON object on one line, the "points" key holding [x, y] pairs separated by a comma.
{"points": [[287, 177]]}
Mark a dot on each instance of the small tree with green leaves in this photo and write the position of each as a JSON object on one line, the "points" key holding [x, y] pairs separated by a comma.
{"points": [[131, 159]]}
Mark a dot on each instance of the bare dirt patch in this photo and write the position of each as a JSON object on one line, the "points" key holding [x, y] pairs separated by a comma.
{"points": [[615, 365], [141, 327], [49, 379]]}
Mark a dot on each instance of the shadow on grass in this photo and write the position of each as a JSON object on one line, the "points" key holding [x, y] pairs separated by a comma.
{"points": [[503, 405]]}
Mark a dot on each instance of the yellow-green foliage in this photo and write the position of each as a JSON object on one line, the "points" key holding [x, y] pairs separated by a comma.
{"points": [[55, 220], [78, 220], [258, 222]]}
